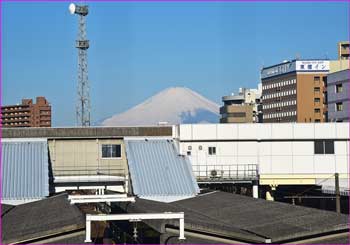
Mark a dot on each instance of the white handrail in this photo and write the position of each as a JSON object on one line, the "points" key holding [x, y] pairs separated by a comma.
{"points": [[100, 198], [97, 200], [135, 217], [70, 197]]}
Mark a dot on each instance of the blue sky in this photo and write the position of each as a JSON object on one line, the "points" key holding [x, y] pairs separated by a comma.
{"points": [[139, 49]]}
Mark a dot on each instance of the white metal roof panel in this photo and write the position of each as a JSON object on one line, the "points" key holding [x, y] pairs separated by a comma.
{"points": [[24, 170], [158, 172]]}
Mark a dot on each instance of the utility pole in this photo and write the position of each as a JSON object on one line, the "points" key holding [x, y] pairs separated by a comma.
{"points": [[82, 44], [337, 193]]}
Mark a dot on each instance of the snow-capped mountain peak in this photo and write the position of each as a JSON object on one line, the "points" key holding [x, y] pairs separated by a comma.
{"points": [[171, 106]]}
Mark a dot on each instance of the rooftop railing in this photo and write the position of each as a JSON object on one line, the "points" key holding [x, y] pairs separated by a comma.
{"points": [[226, 172], [89, 170]]}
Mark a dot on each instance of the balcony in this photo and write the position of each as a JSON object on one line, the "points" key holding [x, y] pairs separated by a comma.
{"points": [[345, 50], [7, 115], [18, 120], [6, 109]]}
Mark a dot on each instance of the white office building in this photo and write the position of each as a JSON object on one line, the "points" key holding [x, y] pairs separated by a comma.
{"points": [[282, 154]]}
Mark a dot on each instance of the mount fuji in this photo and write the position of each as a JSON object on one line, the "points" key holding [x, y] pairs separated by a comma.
{"points": [[171, 106]]}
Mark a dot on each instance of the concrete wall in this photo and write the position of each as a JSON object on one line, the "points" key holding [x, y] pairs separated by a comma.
{"points": [[84, 157], [281, 150]]}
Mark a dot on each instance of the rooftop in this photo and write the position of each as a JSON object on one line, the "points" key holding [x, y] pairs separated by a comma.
{"points": [[247, 219], [45, 218], [291, 61], [86, 132], [158, 172], [25, 170]]}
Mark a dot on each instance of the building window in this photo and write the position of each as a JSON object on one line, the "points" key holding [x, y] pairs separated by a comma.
{"points": [[329, 146], [189, 148], [317, 120], [188, 153], [324, 146], [212, 150], [339, 106], [316, 79], [111, 151], [301, 66], [309, 67], [317, 100], [237, 114], [317, 110], [319, 147], [316, 89], [339, 88], [200, 147]]}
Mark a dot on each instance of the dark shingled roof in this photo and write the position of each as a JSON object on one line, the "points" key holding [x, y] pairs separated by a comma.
{"points": [[50, 216], [5, 208], [73, 238], [333, 240], [245, 218]]}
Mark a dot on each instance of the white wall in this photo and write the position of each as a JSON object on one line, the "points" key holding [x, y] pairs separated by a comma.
{"points": [[280, 148]]}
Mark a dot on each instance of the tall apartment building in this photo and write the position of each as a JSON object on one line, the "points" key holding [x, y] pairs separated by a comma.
{"points": [[245, 107], [343, 50], [338, 96], [295, 91], [27, 114], [338, 82]]}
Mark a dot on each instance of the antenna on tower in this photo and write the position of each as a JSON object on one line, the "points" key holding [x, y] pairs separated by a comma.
{"points": [[82, 44]]}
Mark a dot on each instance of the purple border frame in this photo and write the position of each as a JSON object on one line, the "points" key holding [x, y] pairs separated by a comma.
{"points": [[248, 1]]}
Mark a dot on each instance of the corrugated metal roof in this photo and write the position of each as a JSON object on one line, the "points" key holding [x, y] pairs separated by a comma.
{"points": [[158, 172], [328, 186], [25, 170]]}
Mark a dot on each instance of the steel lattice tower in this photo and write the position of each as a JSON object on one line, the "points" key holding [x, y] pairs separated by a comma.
{"points": [[82, 44]]}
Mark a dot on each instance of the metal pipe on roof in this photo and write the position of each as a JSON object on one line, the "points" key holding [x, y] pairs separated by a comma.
{"points": [[255, 189]]}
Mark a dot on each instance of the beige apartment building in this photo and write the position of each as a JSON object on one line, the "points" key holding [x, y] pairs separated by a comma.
{"points": [[344, 50], [295, 91], [236, 114], [245, 107]]}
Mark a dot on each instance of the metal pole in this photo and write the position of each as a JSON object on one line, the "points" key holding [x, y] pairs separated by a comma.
{"points": [[337, 193], [182, 229], [255, 189], [88, 231]]}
